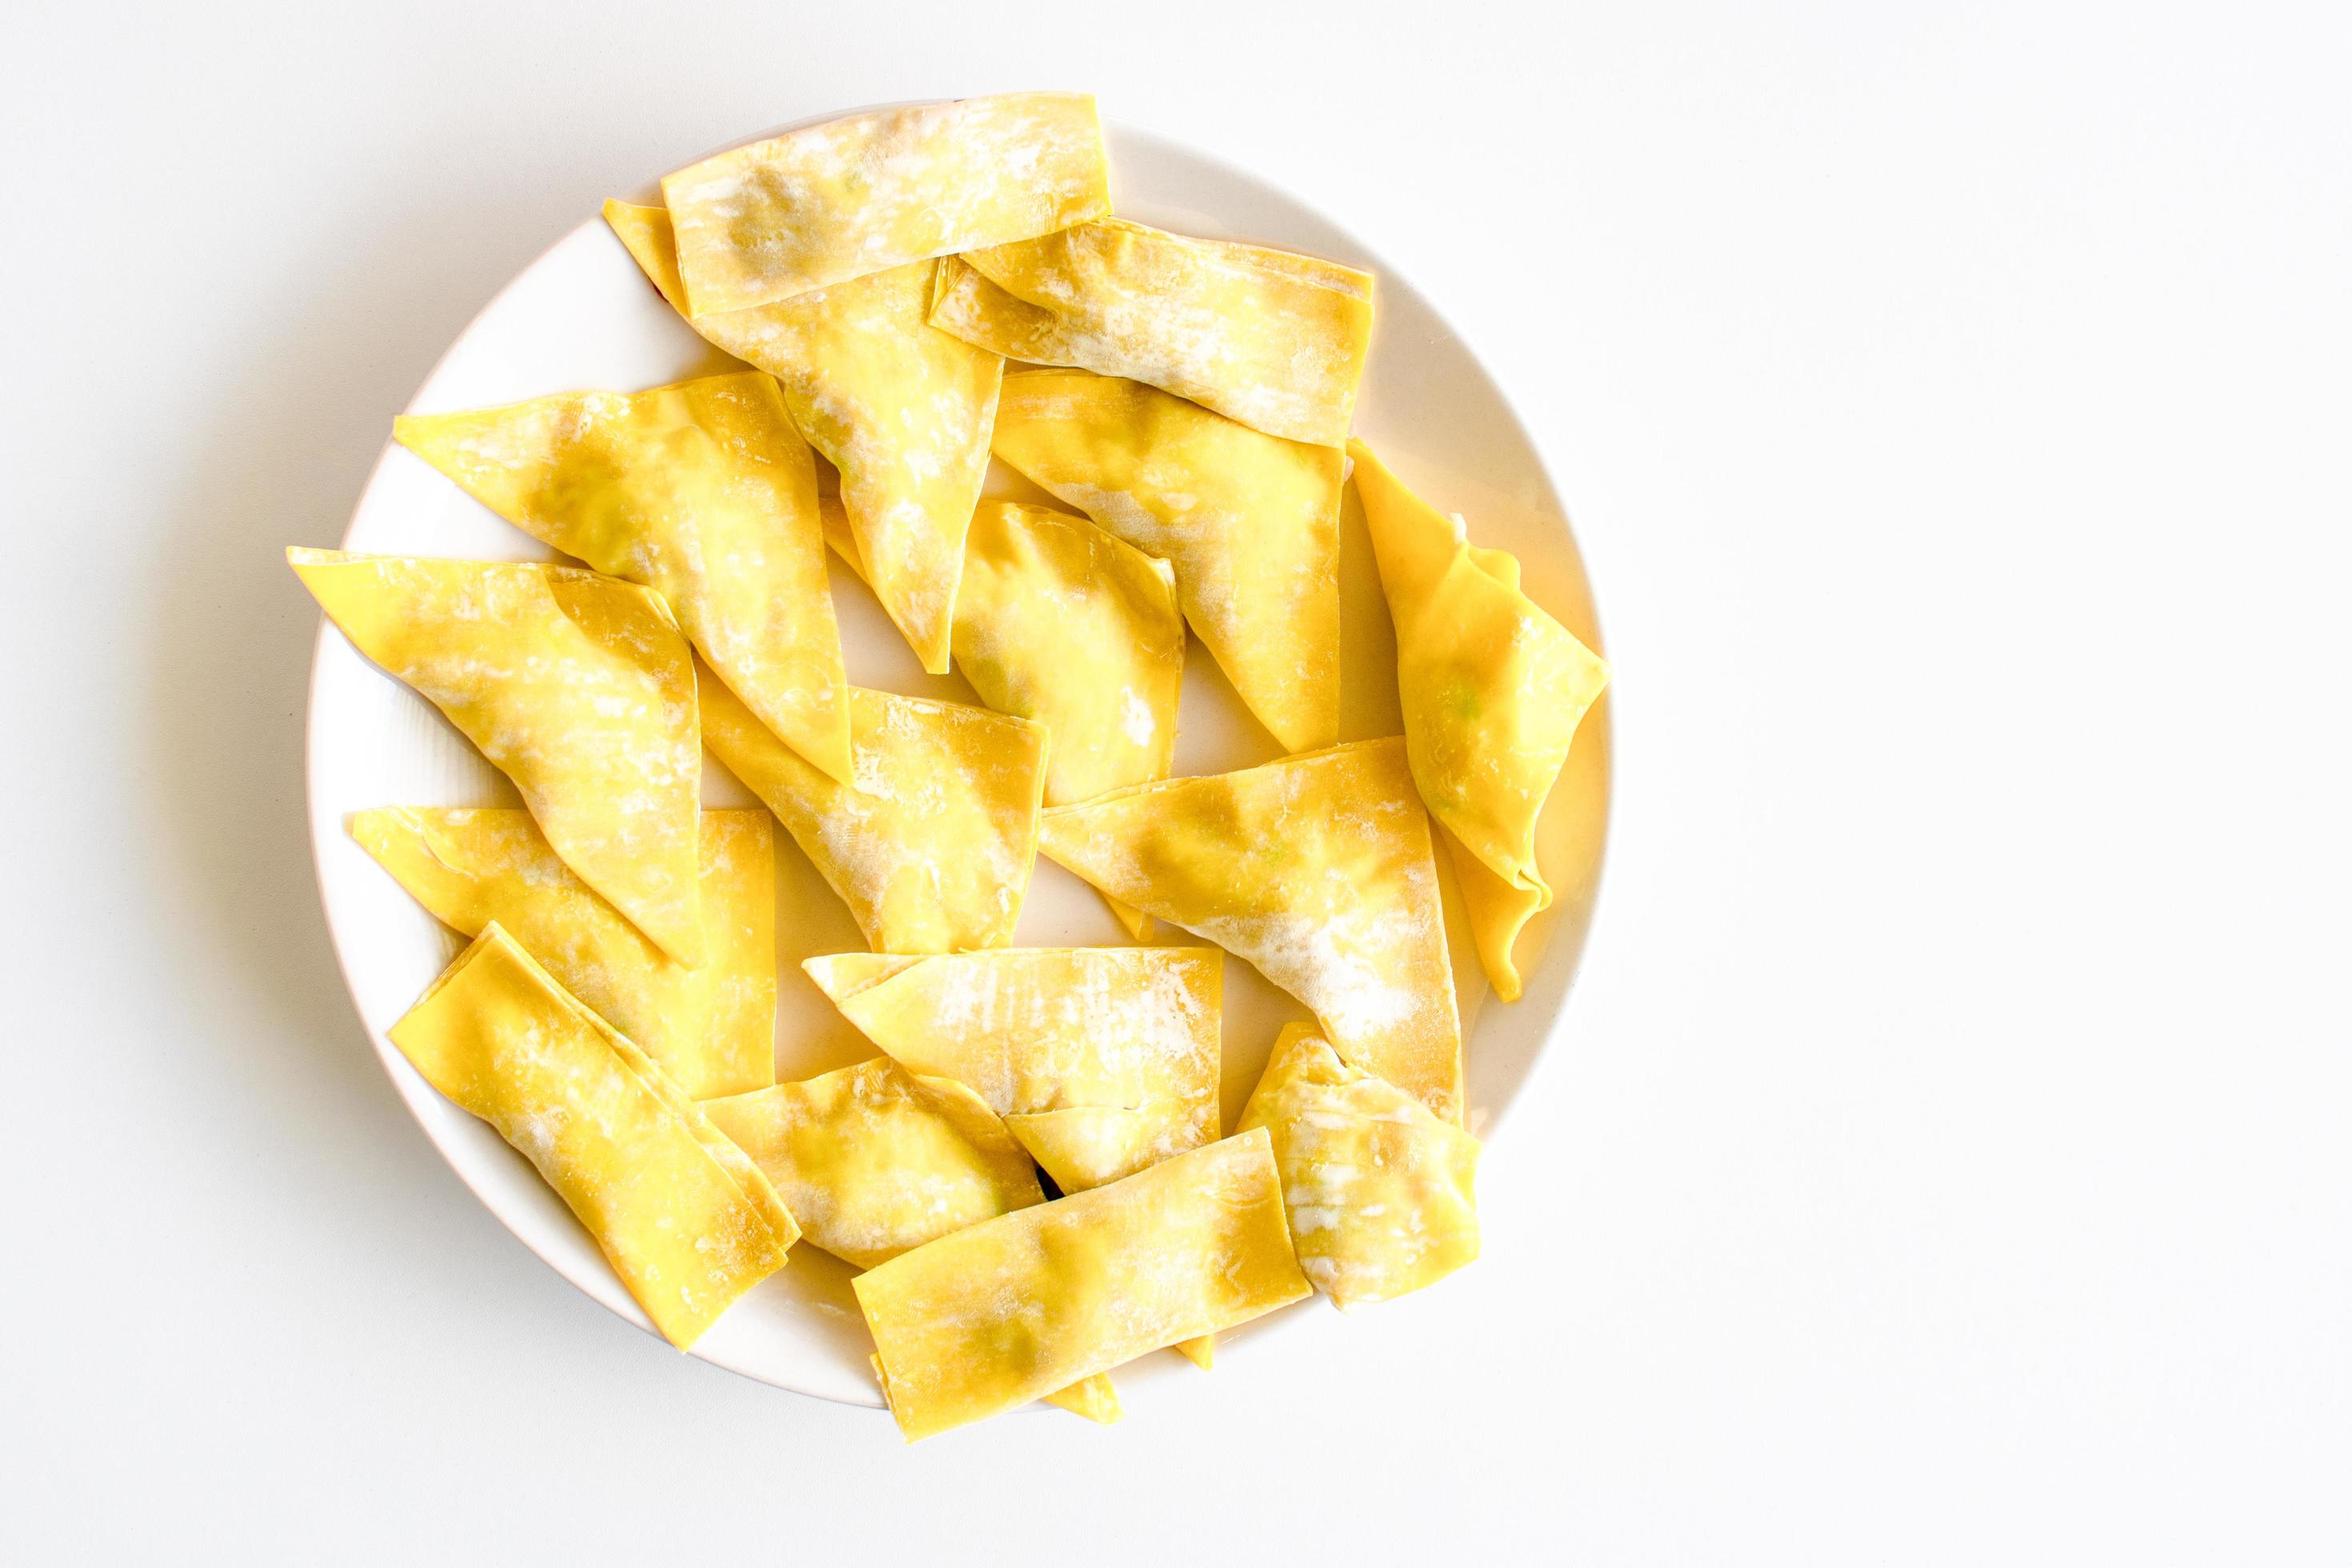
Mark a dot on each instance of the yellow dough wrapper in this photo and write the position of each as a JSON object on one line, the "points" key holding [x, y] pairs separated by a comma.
{"points": [[685, 1219], [901, 408], [933, 849], [578, 687], [1249, 521], [1271, 338], [1009, 1310], [1315, 868], [1379, 1191], [703, 492], [1101, 1060], [874, 1160], [713, 1029], [1492, 689], [854, 196]]}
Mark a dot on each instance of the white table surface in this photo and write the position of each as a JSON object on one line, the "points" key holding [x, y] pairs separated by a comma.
{"points": [[1947, 1157]]}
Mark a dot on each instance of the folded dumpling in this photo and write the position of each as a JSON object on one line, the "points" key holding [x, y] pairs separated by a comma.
{"points": [[1317, 870], [685, 1219], [901, 408], [1493, 690], [702, 491], [874, 1160], [1497, 911], [577, 686], [1249, 521], [1101, 1060], [854, 196], [713, 1029], [932, 847], [1271, 338], [1377, 1190], [1015, 1308]]}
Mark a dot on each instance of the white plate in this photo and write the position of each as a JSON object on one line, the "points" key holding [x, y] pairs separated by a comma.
{"points": [[581, 316]]}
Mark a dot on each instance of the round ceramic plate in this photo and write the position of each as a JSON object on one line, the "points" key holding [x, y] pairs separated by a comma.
{"points": [[580, 317]]}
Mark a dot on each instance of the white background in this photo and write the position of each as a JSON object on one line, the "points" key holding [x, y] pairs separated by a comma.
{"points": [[1948, 1153]]}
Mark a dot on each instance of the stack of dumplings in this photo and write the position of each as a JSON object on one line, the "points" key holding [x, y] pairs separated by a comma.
{"points": [[1033, 1174]]}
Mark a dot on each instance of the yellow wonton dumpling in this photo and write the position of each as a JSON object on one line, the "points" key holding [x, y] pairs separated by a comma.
{"points": [[702, 491], [874, 1160], [713, 1029], [686, 1221], [577, 686], [1493, 690], [933, 849], [1377, 1190], [854, 196], [1317, 870], [1271, 338], [1249, 521], [1102, 1060], [1013, 1309], [901, 408]]}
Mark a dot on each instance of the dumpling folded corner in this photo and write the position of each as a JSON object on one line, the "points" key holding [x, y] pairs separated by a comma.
{"points": [[932, 847], [702, 491], [1315, 868], [1013, 1309], [1271, 338], [1492, 689], [832, 202], [713, 1029], [1379, 1191], [901, 408], [1498, 910], [578, 687], [1249, 522], [687, 1222], [874, 1160], [1101, 1060]]}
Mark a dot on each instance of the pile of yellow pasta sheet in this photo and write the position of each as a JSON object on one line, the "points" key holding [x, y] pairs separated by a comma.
{"points": [[1034, 1175]]}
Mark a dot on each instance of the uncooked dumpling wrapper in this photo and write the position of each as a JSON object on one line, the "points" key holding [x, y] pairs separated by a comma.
{"points": [[713, 1029], [1102, 1060], [1493, 688], [901, 408], [1271, 338], [1315, 868], [1380, 1193], [932, 848], [854, 196], [1249, 521], [1497, 911], [1015, 1309], [874, 1160], [685, 1219], [578, 687], [702, 491]]}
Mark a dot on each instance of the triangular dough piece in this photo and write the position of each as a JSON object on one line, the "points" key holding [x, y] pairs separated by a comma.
{"points": [[1102, 1060], [1017, 1307], [1317, 870], [1498, 910], [1059, 621], [932, 849], [702, 491], [837, 201], [686, 1221], [1250, 522], [901, 408], [1493, 688], [578, 687], [1271, 338], [713, 1029], [875, 1159], [1379, 1193]]}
